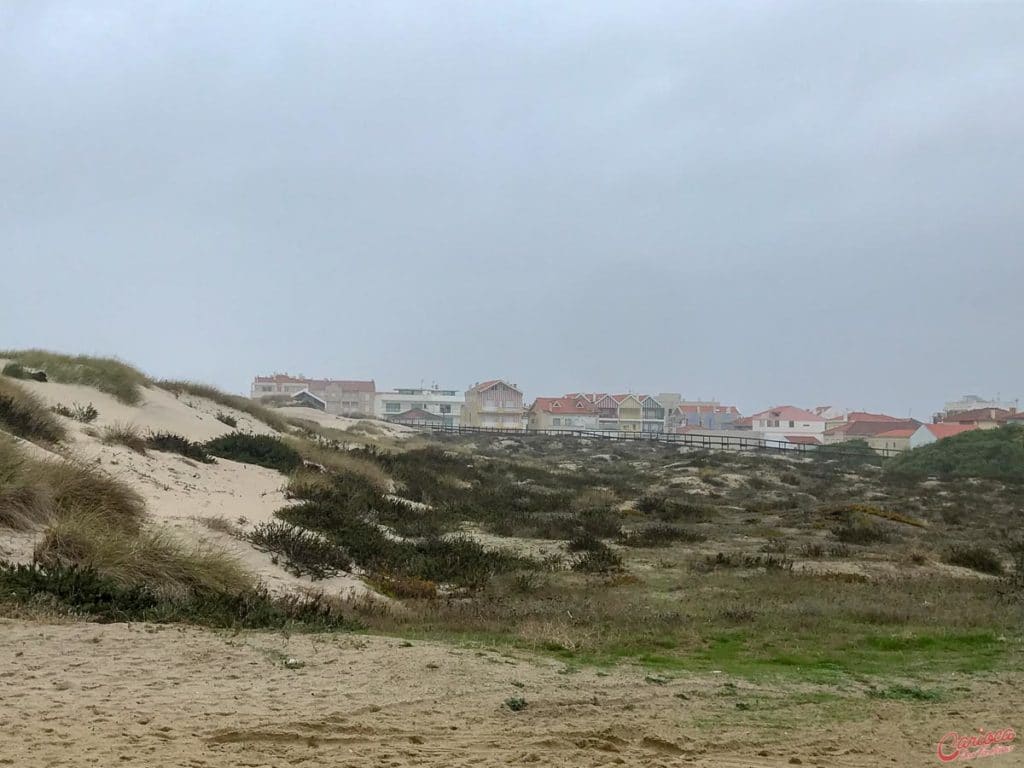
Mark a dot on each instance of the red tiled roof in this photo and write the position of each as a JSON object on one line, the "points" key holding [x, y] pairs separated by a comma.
{"points": [[484, 385], [744, 421], [948, 430], [787, 413], [872, 428], [563, 405], [901, 432], [865, 416], [803, 439], [1019, 416], [980, 414]]}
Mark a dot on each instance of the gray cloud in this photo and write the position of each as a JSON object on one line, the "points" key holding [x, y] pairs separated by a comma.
{"points": [[788, 202]]}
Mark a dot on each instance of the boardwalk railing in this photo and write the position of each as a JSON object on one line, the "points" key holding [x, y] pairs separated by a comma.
{"points": [[690, 440]]}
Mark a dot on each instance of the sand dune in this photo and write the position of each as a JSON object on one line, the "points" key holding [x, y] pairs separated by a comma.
{"points": [[179, 492]]}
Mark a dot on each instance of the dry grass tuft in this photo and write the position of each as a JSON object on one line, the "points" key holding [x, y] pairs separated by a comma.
{"points": [[128, 435], [336, 459], [27, 416], [152, 558]]}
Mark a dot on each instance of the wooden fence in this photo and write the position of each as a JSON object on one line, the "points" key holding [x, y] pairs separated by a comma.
{"points": [[689, 440]]}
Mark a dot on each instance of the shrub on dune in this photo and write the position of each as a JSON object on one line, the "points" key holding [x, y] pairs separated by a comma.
{"points": [[262, 450], [171, 443], [25, 415], [128, 435], [105, 374]]}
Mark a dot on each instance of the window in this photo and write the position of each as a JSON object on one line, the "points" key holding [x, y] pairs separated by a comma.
{"points": [[792, 424], [390, 407], [445, 408], [556, 422]]}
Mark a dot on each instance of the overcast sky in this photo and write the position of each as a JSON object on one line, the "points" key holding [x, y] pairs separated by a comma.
{"points": [[766, 203]]}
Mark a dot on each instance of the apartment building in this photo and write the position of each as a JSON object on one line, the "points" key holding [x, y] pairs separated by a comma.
{"points": [[343, 397], [406, 404], [493, 404]]}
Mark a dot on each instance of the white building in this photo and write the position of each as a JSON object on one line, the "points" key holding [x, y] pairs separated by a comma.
{"points": [[397, 404], [786, 421]]}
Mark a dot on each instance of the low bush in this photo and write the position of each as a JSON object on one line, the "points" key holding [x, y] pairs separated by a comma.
{"points": [[660, 535], [598, 559], [226, 419], [722, 560], [128, 435], [305, 552], [856, 529], [262, 450], [672, 510], [237, 402], [457, 560], [83, 413], [25, 415], [171, 443], [977, 558], [105, 374], [85, 593]]}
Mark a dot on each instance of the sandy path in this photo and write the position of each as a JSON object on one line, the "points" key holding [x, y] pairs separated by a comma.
{"points": [[87, 694]]}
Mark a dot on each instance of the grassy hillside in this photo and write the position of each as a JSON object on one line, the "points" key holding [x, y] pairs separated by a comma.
{"points": [[993, 454]]}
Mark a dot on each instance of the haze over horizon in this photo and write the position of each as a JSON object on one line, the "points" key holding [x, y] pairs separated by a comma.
{"points": [[785, 203]]}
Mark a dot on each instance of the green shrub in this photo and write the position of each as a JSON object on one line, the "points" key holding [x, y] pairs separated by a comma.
{"points": [[105, 374], [977, 558], [598, 559], [85, 593], [262, 450], [660, 535], [456, 560], [228, 419], [83, 413], [994, 454], [25, 415], [856, 529], [171, 443], [305, 552]]}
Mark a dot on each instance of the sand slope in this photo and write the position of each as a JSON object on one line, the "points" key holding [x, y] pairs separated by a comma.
{"points": [[179, 492]]}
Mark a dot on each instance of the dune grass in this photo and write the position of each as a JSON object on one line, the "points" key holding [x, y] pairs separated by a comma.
{"points": [[128, 435], [153, 558], [239, 403], [27, 416], [94, 521], [337, 459], [104, 373]]}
